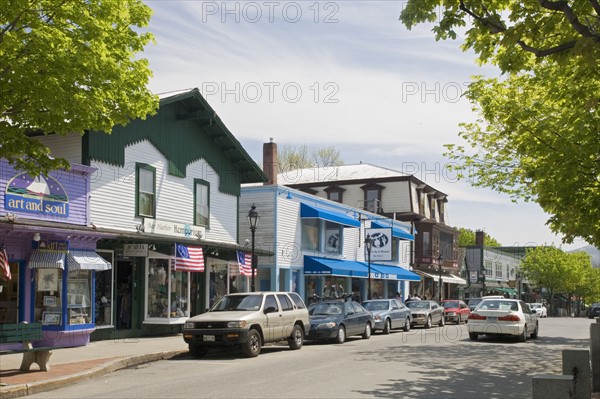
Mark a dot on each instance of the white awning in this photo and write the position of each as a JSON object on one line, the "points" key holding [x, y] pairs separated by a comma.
{"points": [[452, 279], [41, 259], [87, 260]]}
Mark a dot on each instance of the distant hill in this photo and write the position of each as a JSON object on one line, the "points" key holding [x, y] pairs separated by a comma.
{"points": [[593, 252]]}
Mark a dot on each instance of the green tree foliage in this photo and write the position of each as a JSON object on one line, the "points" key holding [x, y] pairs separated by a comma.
{"points": [[466, 238], [569, 273], [291, 157], [537, 137], [69, 67]]}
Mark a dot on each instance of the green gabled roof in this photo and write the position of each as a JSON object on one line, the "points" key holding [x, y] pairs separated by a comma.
{"points": [[184, 130]]}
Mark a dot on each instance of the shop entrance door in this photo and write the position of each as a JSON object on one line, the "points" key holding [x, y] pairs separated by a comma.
{"points": [[124, 294]]}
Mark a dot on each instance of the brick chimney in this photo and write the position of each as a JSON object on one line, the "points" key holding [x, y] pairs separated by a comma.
{"points": [[479, 238], [270, 161]]}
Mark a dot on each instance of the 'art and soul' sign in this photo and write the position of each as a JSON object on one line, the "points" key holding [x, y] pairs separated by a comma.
{"points": [[43, 195]]}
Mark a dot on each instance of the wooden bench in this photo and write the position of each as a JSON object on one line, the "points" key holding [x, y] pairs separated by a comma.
{"points": [[26, 333]]}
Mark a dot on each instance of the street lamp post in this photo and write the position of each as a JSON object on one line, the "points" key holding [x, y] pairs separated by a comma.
{"points": [[253, 218], [440, 260], [369, 246]]}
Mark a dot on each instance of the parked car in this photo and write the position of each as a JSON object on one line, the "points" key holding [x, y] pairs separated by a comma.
{"points": [[426, 313], [337, 319], [389, 314], [249, 320], [594, 310], [505, 316], [455, 310], [473, 302], [539, 308]]}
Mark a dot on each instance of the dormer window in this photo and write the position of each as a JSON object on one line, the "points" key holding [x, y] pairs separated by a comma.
{"points": [[335, 193], [372, 197]]}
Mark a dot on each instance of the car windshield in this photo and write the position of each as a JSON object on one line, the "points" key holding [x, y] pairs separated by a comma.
{"points": [[491, 304], [324, 308], [238, 302], [376, 306], [450, 305], [418, 304]]}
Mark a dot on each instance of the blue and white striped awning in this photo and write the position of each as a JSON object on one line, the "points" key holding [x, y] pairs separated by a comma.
{"points": [[47, 259], [86, 260]]}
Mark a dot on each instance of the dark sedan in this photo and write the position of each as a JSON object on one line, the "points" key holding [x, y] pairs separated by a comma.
{"points": [[337, 319], [594, 311]]}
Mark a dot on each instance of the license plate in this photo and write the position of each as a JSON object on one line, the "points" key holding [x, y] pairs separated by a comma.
{"points": [[209, 338], [492, 318]]}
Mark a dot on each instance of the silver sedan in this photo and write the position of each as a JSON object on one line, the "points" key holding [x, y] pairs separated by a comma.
{"points": [[389, 314], [426, 313]]}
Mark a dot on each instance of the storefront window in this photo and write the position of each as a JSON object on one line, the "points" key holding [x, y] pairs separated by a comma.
{"points": [[333, 234], [79, 305], [310, 234], [104, 292], [47, 308], [9, 296], [168, 291]]}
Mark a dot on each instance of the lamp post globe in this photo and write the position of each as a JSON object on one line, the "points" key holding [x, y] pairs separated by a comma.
{"points": [[368, 247], [253, 218]]}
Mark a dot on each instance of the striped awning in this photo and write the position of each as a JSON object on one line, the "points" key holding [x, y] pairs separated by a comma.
{"points": [[86, 260], [41, 259]]}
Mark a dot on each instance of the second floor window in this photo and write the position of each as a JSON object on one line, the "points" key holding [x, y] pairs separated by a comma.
{"points": [[498, 270], [146, 191], [321, 236], [201, 203], [488, 268]]}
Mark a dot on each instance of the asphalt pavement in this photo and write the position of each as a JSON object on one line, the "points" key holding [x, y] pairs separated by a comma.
{"points": [[71, 365]]}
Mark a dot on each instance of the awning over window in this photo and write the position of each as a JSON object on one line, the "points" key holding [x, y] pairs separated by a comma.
{"points": [[394, 273], [509, 291], [397, 230], [86, 260], [334, 267], [47, 259], [308, 211], [452, 279]]}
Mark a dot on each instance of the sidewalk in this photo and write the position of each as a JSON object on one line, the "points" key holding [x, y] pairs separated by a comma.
{"points": [[71, 365]]}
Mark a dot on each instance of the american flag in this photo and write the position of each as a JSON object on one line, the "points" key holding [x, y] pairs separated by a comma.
{"points": [[245, 262], [4, 266], [188, 258]]}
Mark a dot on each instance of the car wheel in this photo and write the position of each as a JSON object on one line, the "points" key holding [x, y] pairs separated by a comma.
{"points": [[442, 321], [428, 324], [534, 334], [387, 327], [523, 336], [407, 325], [198, 351], [473, 336], [297, 339], [251, 348], [367, 333], [341, 335]]}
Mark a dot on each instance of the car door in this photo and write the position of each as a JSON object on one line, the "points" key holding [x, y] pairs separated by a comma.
{"points": [[530, 317], [288, 315], [274, 319], [351, 319], [362, 316], [437, 313], [397, 313]]}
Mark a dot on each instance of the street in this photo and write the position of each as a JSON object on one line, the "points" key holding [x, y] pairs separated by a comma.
{"points": [[435, 363]]}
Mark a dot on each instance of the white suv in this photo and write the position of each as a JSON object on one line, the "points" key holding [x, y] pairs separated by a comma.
{"points": [[249, 320]]}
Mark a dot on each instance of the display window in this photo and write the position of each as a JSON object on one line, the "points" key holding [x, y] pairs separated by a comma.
{"points": [[104, 292], [9, 296], [167, 292]]}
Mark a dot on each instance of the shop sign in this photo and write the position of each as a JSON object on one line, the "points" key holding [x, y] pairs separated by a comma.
{"points": [[53, 245], [154, 226], [42, 195], [135, 250], [383, 276], [381, 249]]}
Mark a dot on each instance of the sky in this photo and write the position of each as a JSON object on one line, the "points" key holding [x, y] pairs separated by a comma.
{"points": [[346, 74]]}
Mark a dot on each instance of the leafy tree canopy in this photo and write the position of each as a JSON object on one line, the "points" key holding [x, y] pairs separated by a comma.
{"points": [[291, 157], [538, 134], [69, 67], [466, 238]]}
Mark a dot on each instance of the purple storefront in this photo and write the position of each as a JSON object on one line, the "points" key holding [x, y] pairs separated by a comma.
{"points": [[50, 251]]}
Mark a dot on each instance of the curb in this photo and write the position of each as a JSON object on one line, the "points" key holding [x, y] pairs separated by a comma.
{"points": [[15, 391]]}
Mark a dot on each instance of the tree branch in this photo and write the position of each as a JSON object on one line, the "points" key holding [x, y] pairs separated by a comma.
{"points": [[596, 6], [563, 6]]}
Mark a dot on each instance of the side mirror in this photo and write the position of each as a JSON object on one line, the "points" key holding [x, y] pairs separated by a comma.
{"points": [[270, 309]]}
